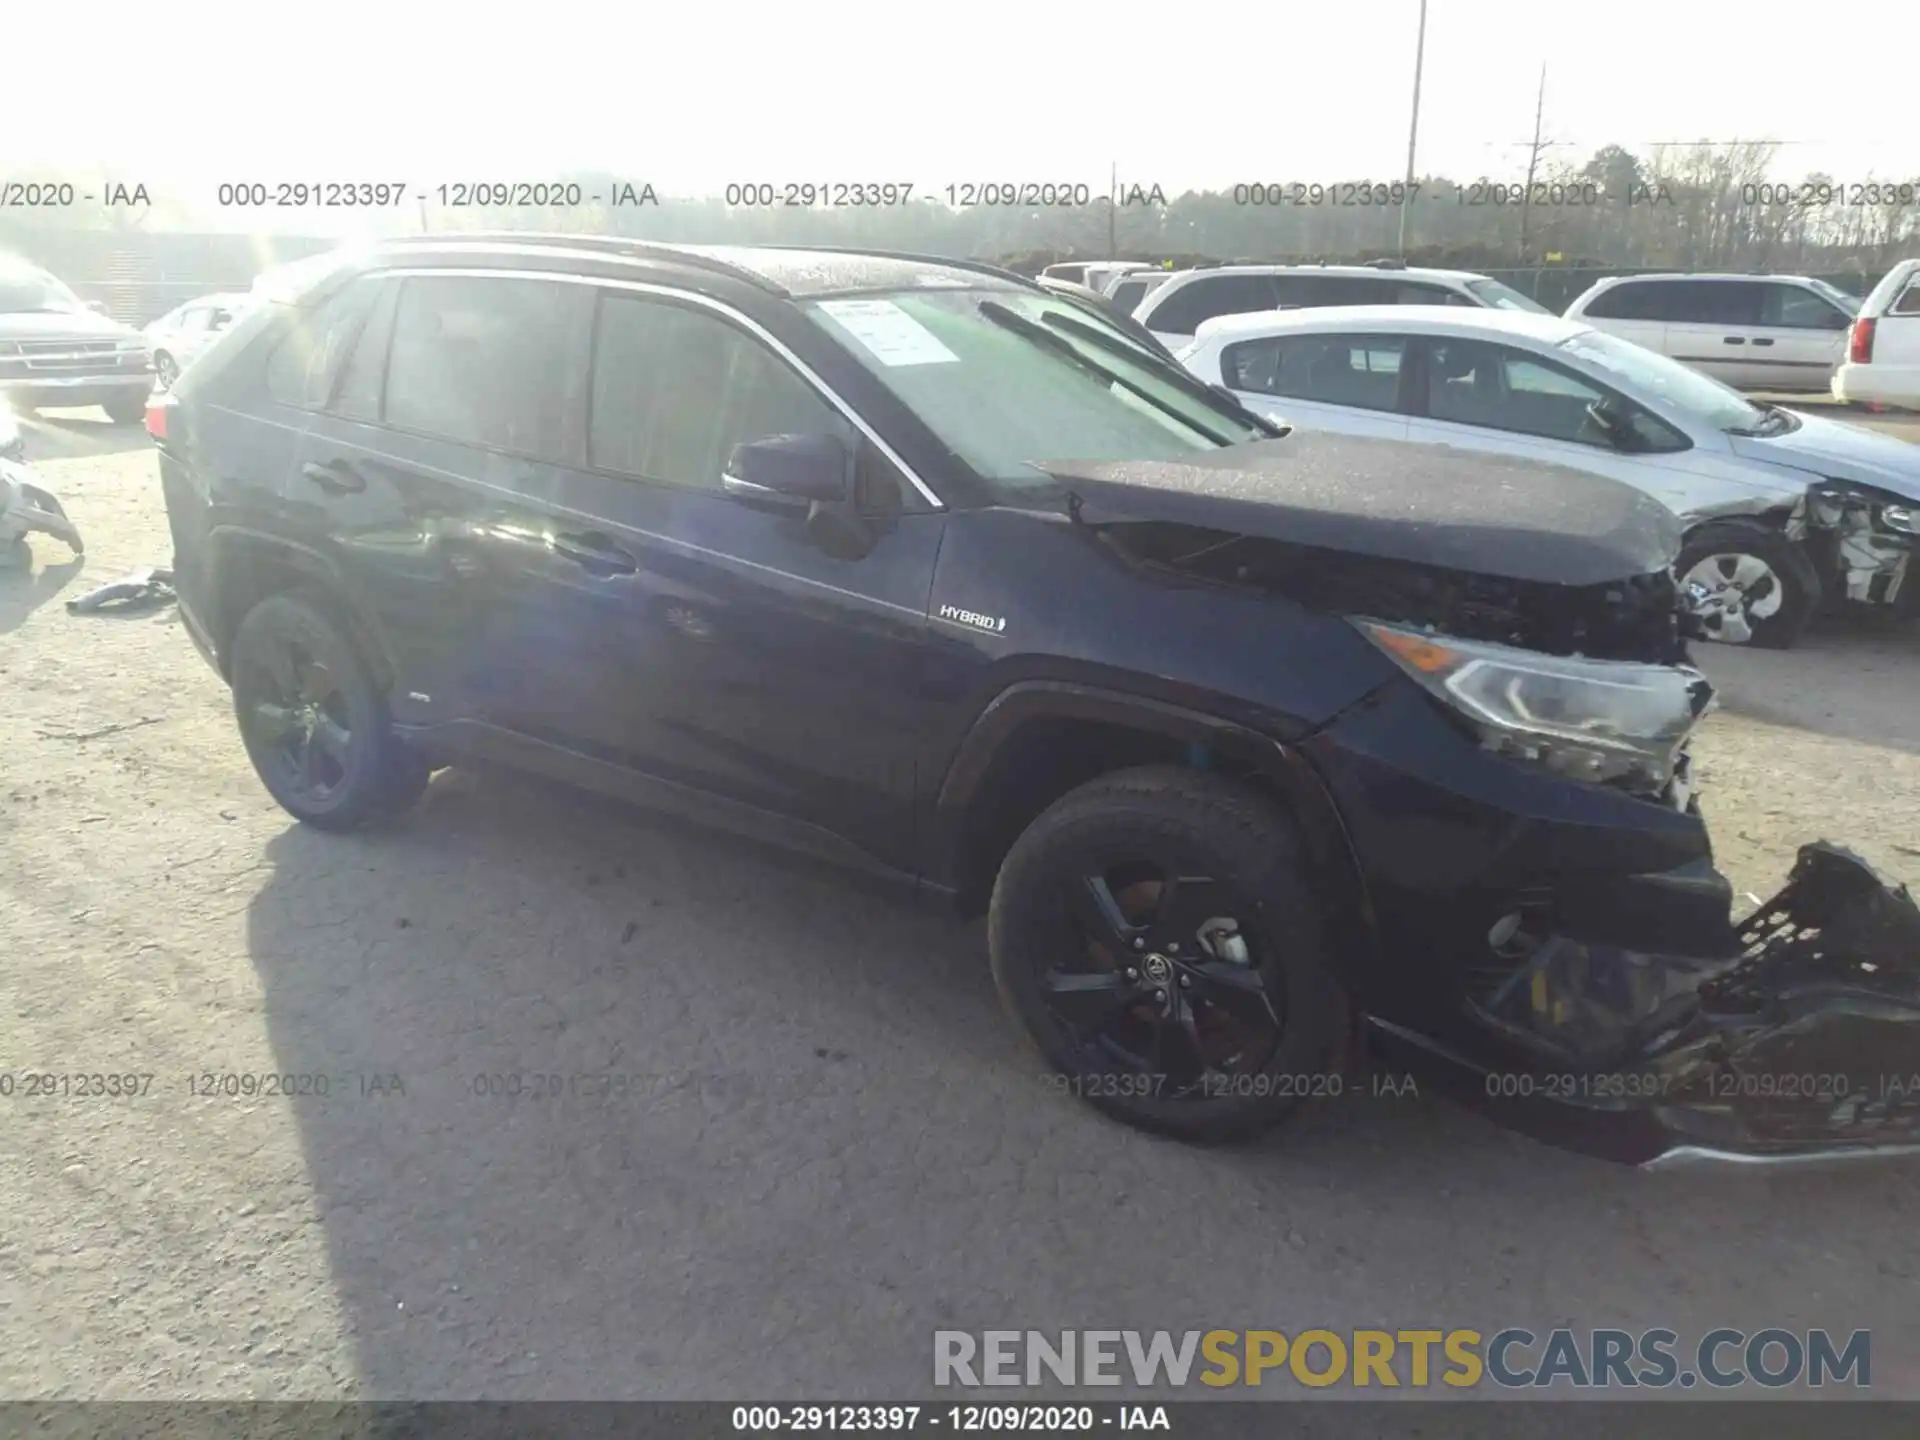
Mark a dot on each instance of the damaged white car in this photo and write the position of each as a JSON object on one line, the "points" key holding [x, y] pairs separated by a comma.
{"points": [[26, 507], [1785, 511]]}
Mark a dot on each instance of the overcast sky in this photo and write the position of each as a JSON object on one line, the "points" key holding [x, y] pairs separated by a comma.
{"points": [[690, 97]]}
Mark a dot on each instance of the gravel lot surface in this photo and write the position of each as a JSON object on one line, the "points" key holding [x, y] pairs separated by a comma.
{"points": [[833, 1143]]}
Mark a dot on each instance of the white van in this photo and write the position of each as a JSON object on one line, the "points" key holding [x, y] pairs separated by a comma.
{"points": [[1753, 332], [1883, 349]]}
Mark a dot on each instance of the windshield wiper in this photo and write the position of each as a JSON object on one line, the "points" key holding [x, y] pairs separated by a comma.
{"points": [[1049, 340], [1216, 396]]}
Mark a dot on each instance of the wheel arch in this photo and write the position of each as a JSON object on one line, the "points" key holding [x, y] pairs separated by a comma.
{"points": [[1038, 740], [245, 566]]}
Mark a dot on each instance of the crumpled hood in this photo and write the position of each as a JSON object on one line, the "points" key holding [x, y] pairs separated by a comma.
{"points": [[1841, 450], [63, 325], [1428, 504]]}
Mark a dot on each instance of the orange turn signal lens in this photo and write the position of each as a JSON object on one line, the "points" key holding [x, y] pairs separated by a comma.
{"points": [[1415, 651]]}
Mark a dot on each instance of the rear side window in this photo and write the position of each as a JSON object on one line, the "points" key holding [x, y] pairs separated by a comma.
{"points": [[1909, 301], [1712, 302], [363, 379], [479, 361], [309, 353], [674, 390], [1361, 371], [1631, 301], [1792, 307], [1209, 297]]}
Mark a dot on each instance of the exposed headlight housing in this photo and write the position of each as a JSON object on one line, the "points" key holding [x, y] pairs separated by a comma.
{"points": [[1605, 721], [1835, 499]]}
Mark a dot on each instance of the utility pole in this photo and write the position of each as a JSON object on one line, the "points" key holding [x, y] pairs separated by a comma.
{"points": [[1413, 126], [1113, 208], [1533, 160]]}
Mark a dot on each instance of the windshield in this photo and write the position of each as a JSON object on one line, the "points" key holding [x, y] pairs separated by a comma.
{"points": [[1655, 375], [1006, 378], [25, 291], [1504, 297]]}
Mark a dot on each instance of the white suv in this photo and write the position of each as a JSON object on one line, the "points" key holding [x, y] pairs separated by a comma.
{"points": [[1883, 351], [1187, 299], [1754, 332]]}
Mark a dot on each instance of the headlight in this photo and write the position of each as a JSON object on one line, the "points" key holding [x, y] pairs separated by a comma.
{"points": [[1598, 720], [1833, 500]]}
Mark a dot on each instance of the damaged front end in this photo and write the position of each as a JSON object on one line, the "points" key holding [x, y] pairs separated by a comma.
{"points": [[1800, 1039], [26, 507], [1863, 541]]}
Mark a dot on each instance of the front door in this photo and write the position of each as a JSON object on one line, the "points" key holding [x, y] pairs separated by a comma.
{"points": [[750, 657], [1801, 338]]}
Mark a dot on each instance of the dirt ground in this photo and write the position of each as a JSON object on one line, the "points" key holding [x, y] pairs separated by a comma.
{"points": [[832, 1143]]}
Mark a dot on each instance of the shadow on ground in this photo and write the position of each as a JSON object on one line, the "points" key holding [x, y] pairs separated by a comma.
{"points": [[1850, 677], [78, 435], [676, 1119]]}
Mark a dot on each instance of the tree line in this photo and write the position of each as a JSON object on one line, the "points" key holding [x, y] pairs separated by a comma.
{"points": [[1702, 207]]}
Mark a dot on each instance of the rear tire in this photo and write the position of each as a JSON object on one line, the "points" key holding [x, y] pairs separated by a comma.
{"points": [[165, 371], [1219, 983], [126, 409], [1759, 587], [314, 722]]}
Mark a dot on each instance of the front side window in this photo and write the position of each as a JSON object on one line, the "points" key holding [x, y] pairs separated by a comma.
{"points": [[1790, 307], [1007, 379], [1128, 294], [1186, 309], [479, 361], [1361, 371], [676, 389], [363, 379], [1471, 382]]}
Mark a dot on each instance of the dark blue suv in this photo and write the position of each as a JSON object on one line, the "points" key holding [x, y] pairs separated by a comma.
{"points": [[1253, 744]]}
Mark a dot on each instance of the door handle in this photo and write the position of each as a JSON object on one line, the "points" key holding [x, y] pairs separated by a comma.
{"points": [[1758, 341], [1733, 339], [337, 477], [595, 554]]}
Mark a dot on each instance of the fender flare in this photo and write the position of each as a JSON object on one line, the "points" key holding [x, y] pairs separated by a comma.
{"points": [[225, 542], [1330, 852]]}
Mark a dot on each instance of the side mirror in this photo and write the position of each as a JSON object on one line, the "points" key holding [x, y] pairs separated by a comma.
{"points": [[98, 307], [796, 469]]}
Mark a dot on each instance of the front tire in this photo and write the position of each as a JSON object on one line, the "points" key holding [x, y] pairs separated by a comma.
{"points": [[1748, 583], [314, 722], [127, 409], [1157, 935]]}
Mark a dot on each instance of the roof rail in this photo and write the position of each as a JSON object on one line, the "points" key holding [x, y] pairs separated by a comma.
{"points": [[615, 245], [980, 267], [1387, 264]]}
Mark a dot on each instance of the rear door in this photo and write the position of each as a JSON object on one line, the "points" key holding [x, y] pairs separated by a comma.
{"points": [[431, 468], [1712, 326], [1346, 384], [1801, 338]]}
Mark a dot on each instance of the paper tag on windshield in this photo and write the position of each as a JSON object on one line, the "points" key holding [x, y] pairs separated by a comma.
{"points": [[892, 336]]}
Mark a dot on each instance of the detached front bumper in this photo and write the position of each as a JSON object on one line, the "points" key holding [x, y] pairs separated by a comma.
{"points": [[1797, 1040]]}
